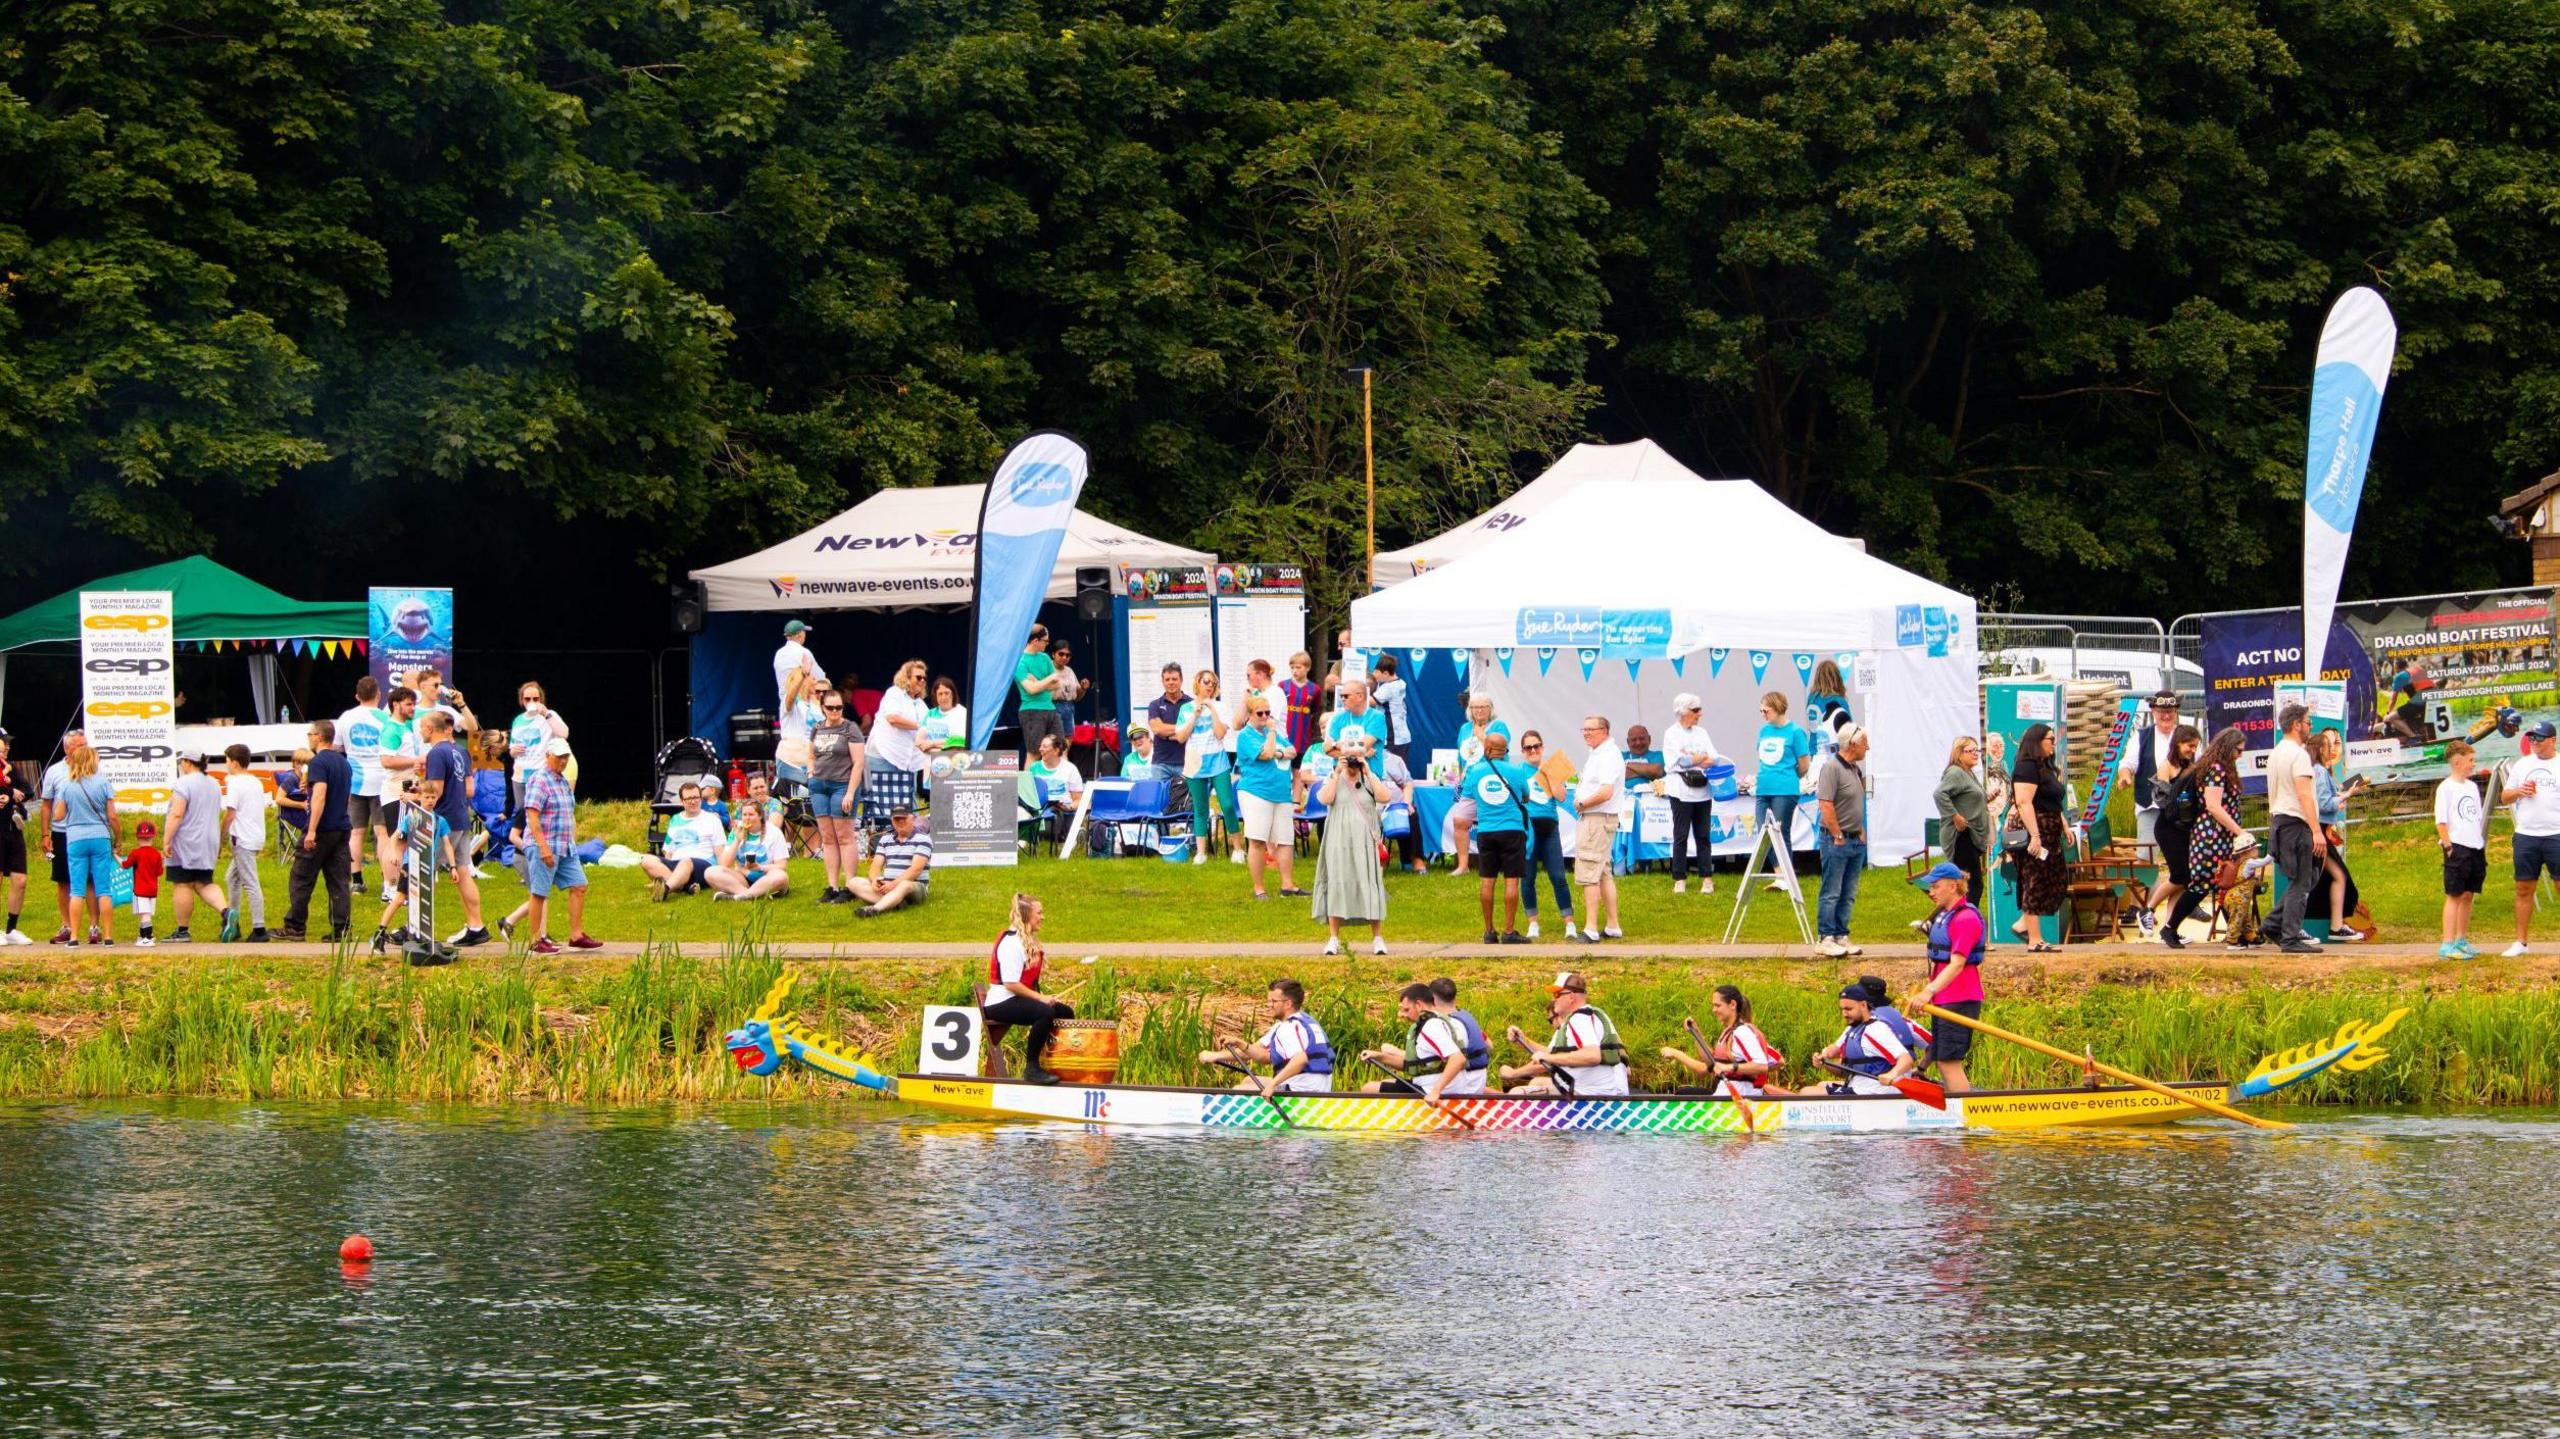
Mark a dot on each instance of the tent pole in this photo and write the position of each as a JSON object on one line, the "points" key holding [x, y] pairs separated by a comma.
{"points": [[1369, 462]]}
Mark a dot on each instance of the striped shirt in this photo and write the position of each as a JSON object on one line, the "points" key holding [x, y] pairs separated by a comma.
{"points": [[896, 854]]}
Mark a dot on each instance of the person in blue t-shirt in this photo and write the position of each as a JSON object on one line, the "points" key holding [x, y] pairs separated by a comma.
{"points": [[1390, 692], [1500, 789], [1784, 752], [1357, 716]]}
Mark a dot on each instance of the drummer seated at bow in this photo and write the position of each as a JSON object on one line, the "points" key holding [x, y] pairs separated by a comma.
{"points": [[1742, 1060], [1295, 1046], [1867, 1047], [1433, 1057], [1585, 1047]]}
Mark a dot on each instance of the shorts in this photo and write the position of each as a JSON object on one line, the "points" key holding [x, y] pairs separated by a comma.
{"points": [[387, 813], [361, 810], [61, 862], [13, 849], [93, 866], [826, 798], [564, 872], [1949, 1040], [1464, 811], [179, 874], [1503, 854], [2466, 871], [1595, 841], [701, 867], [2536, 855], [1269, 821]]}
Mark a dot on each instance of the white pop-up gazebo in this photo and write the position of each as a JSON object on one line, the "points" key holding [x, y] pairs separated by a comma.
{"points": [[1618, 595], [901, 549]]}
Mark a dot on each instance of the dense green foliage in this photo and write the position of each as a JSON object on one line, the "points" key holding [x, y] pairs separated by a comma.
{"points": [[1993, 285]]}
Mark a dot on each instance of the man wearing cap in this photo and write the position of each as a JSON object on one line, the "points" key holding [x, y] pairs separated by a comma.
{"points": [[550, 820], [2533, 795], [1955, 970], [195, 846], [2294, 834], [1867, 1047], [322, 853], [794, 657], [901, 867], [2146, 759], [1585, 1046], [1688, 749], [13, 844]]}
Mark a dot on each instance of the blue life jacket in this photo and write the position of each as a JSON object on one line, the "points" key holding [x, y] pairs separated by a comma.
{"points": [[1903, 1029], [1319, 1045], [1857, 1058], [1479, 1052], [1941, 948]]}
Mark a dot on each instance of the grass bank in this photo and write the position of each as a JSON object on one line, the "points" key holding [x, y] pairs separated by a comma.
{"points": [[250, 1026], [1139, 900]]}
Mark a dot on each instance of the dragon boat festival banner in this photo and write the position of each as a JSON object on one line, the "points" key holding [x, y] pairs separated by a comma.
{"points": [[2475, 666], [972, 816]]}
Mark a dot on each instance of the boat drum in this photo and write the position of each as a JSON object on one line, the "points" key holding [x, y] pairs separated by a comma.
{"points": [[1084, 1051]]}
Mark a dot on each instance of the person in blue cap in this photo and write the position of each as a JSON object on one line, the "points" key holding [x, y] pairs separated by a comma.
{"points": [[1955, 971]]}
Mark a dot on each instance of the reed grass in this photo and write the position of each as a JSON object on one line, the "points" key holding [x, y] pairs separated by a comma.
{"points": [[649, 1029]]}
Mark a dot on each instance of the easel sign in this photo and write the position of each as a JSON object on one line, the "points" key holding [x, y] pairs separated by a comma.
{"points": [[953, 1034]]}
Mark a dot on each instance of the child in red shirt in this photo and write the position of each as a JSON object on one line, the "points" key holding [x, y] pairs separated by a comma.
{"points": [[145, 862]]}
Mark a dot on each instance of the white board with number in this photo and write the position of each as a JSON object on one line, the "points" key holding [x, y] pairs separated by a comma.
{"points": [[952, 1034]]}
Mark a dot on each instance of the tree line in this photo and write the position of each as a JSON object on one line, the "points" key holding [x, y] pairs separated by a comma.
{"points": [[2025, 295]]}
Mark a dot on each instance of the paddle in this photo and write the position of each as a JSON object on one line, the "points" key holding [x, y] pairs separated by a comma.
{"points": [[1557, 1073], [1272, 1099], [1920, 1091], [1442, 1104], [1741, 1106], [2209, 1106]]}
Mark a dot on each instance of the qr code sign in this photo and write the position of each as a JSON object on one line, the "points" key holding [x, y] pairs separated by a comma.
{"points": [[973, 809]]}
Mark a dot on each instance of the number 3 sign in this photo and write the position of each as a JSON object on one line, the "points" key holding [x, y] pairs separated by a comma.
{"points": [[952, 1033]]}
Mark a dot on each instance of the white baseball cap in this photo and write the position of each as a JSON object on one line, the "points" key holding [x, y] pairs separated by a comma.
{"points": [[556, 746], [1684, 702]]}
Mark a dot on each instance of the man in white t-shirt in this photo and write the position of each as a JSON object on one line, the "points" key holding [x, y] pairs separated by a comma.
{"points": [[2533, 798], [692, 844], [1601, 804], [794, 655], [1295, 1046], [2293, 830], [1433, 1057], [360, 734], [2462, 831], [1585, 1046]]}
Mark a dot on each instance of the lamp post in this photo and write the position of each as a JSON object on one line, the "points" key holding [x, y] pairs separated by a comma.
{"points": [[1369, 465]]}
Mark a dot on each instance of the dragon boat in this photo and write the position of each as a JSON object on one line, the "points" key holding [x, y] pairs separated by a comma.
{"points": [[771, 1039]]}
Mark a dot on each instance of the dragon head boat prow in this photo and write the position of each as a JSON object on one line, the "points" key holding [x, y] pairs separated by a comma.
{"points": [[2356, 1046], [769, 1038]]}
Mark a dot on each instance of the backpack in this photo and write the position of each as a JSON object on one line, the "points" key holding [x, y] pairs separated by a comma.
{"points": [[2180, 801]]}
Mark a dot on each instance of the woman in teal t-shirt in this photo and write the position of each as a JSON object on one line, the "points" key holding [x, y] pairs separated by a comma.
{"points": [[1784, 752]]}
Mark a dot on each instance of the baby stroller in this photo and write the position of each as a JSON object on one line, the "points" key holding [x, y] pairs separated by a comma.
{"points": [[684, 761]]}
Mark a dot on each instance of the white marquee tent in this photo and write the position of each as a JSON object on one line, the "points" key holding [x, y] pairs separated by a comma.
{"points": [[1744, 592], [903, 548], [1642, 460]]}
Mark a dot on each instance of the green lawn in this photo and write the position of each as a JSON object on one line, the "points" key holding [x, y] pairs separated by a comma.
{"points": [[1135, 900]]}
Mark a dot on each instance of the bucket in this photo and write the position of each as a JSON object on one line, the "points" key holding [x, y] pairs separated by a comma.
{"points": [[1721, 783], [1175, 851], [1084, 1051]]}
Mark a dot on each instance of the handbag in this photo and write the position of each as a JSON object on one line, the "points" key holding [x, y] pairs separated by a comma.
{"points": [[2013, 838]]}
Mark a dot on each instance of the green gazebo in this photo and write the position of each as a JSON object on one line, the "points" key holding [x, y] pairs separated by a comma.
{"points": [[216, 607]]}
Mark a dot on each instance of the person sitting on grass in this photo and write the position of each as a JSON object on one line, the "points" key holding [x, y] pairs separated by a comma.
{"points": [[692, 844], [756, 862], [901, 867]]}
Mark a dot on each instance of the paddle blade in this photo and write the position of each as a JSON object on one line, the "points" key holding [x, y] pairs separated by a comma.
{"points": [[1922, 1091]]}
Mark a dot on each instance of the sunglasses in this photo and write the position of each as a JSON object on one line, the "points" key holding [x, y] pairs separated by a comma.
{"points": [[1531, 748], [832, 709]]}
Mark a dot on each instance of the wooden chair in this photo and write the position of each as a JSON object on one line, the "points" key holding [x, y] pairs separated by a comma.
{"points": [[2093, 903]]}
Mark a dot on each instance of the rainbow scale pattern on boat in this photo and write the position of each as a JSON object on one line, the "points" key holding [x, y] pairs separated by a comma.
{"points": [[1650, 1116]]}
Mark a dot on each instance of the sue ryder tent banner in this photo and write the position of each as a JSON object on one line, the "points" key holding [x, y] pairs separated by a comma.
{"points": [[1030, 498], [128, 694], [2346, 400], [2418, 672]]}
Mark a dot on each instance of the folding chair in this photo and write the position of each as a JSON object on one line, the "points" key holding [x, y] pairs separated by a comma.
{"points": [[1114, 803]]}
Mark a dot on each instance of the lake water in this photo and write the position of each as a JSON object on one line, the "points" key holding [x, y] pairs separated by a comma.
{"points": [[171, 1270]]}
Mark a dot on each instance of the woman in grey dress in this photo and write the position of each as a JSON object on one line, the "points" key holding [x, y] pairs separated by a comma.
{"points": [[1349, 882]]}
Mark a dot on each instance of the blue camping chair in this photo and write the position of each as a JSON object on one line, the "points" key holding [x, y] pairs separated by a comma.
{"points": [[1114, 806]]}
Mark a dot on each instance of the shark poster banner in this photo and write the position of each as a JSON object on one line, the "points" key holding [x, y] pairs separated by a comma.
{"points": [[412, 630]]}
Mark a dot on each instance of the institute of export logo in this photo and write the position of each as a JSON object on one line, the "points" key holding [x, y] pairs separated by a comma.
{"points": [[142, 623]]}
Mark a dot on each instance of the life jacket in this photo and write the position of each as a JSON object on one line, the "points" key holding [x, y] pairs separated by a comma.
{"points": [[1318, 1045], [1856, 1057], [1479, 1051], [1911, 1034], [1418, 1064], [1031, 962], [1942, 948], [1726, 1051], [1612, 1051]]}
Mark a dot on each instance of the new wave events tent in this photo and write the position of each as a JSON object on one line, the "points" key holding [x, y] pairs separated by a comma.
{"points": [[911, 551], [1620, 594]]}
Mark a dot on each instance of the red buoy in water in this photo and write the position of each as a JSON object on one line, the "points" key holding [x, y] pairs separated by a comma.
{"points": [[356, 1249]]}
